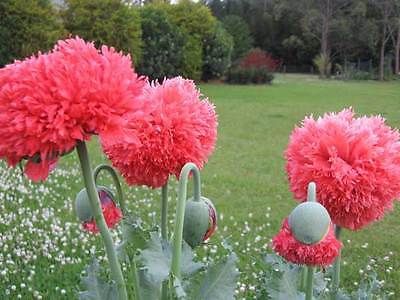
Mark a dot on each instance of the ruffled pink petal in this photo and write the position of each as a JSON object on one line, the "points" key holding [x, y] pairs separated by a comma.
{"points": [[39, 171], [355, 163], [173, 125], [50, 101], [322, 254]]}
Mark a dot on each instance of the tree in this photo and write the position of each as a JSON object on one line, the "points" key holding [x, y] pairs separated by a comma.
{"points": [[396, 36], [217, 53], [194, 18], [385, 9], [197, 22], [163, 43], [110, 22], [27, 26], [397, 50], [318, 21], [240, 32]]}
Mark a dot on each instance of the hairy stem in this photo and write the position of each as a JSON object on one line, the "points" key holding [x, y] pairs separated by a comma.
{"points": [[164, 231], [309, 283], [180, 213], [88, 179], [336, 268], [164, 211], [110, 170]]}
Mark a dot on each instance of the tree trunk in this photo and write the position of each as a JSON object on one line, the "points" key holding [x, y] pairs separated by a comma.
{"points": [[382, 61], [397, 52], [325, 49], [382, 54]]}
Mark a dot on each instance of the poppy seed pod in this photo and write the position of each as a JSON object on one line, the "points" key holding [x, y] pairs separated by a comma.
{"points": [[200, 221], [82, 203], [112, 214], [309, 222]]}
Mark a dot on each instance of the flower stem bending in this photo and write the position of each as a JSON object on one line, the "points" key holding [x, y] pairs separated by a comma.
{"points": [[180, 213], [122, 205], [100, 222], [336, 268], [114, 176]]}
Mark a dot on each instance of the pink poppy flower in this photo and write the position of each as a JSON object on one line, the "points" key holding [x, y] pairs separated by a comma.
{"points": [[50, 101], [174, 126], [355, 163], [321, 254]]}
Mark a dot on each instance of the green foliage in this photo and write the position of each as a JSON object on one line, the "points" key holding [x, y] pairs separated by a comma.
{"points": [[217, 283], [194, 18], [27, 26], [249, 75], [149, 288], [134, 238], [157, 259], [240, 32], [197, 23], [282, 279], [97, 289], [164, 46], [192, 58], [109, 22], [217, 53], [323, 63]]}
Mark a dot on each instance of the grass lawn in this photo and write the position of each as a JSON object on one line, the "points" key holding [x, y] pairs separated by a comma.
{"points": [[43, 251]]}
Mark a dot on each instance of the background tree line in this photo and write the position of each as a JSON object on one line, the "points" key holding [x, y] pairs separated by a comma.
{"points": [[164, 40], [206, 40], [326, 33]]}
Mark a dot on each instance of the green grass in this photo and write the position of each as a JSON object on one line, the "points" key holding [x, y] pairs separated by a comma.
{"points": [[245, 177], [246, 174]]}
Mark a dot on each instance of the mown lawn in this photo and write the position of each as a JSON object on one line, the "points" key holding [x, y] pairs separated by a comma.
{"points": [[43, 251]]}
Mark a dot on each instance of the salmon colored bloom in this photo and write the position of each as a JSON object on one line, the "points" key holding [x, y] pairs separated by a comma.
{"points": [[174, 126], [355, 162], [112, 214], [50, 101], [321, 254]]}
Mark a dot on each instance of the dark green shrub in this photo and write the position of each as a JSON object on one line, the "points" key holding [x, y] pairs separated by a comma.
{"points": [[164, 46], [108, 22], [194, 18], [249, 76], [196, 21], [27, 26], [217, 51], [192, 58]]}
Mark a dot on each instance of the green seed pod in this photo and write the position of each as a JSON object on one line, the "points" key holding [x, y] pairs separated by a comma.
{"points": [[309, 222], [200, 221], [82, 203]]}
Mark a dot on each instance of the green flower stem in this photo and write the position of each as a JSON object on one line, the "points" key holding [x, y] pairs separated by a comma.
{"points": [[308, 273], [135, 278], [303, 279], [309, 284], [180, 213], [114, 176], [164, 231], [164, 211], [100, 222], [312, 192], [336, 268], [121, 202]]}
